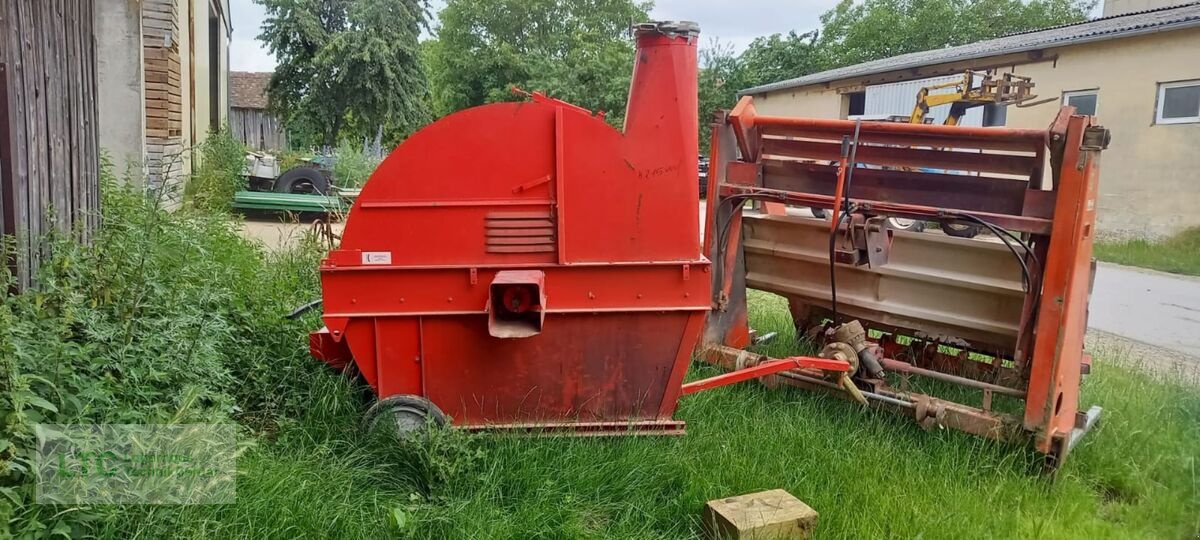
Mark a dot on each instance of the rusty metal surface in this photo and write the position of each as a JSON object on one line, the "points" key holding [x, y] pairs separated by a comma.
{"points": [[766, 368], [1003, 319], [958, 289], [928, 412], [1029, 223], [1057, 363], [587, 429], [961, 192]]}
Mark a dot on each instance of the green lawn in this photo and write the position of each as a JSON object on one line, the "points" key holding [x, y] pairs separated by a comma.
{"points": [[869, 474], [1179, 254]]}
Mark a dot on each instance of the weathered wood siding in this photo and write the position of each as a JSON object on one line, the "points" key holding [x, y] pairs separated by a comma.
{"points": [[257, 129], [49, 157], [164, 98]]}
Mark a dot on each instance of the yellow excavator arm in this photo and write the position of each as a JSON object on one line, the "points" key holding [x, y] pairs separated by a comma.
{"points": [[1009, 89]]}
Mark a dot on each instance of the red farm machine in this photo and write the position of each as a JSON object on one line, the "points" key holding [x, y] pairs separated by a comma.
{"points": [[525, 266]]}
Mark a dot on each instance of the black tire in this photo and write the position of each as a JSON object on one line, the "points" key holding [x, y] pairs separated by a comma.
{"points": [[302, 179], [960, 231], [404, 415], [819, 213]]}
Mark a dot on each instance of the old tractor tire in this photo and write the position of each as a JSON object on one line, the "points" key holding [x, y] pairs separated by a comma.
{"points": [[403, 415], [958, 230], [307, 180]]}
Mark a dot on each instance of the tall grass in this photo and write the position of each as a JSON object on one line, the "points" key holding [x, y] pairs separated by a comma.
{"points": [[352, 166], [163, 319], [1178, 254], [869, 474], [219, 174]]}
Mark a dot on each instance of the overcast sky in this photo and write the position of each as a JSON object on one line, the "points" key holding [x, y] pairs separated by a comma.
{"points": [[733, 21]]}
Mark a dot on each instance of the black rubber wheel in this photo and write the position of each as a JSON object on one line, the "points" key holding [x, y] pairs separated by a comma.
{"points": [[302, 179], [819, 213], [960, 231], [403, 415]]}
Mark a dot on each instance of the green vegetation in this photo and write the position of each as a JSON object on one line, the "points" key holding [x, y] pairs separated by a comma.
{"points": [[351, 166], [1178, 254], [164, 319], [346, 67], [855, 32], [222, 162], [576, 51], [350, 67]]}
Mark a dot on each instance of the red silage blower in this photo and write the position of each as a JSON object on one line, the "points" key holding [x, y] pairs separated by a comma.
{"points": [[527, 266]]}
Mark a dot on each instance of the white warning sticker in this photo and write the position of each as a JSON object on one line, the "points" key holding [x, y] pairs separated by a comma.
{"points": [[377, 257]]}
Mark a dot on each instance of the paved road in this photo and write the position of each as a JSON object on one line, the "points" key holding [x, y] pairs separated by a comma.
{"points": [[1146, 306]]}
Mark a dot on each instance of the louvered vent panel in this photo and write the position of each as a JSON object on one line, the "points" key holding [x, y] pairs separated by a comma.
{"points": [[520, 232]]}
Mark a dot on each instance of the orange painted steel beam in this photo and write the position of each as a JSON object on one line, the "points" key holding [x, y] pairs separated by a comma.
{"points": [[766, 368]]}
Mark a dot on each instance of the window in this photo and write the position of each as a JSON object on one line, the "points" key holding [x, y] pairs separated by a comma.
{"points": [[1178, 102], [1084, 101], [854, 103]]}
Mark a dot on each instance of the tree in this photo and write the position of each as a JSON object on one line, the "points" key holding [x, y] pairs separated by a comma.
{"points": [[347, 67], [777, 57], [721, 76], [578, 51], [853, 32], [770, 58]]}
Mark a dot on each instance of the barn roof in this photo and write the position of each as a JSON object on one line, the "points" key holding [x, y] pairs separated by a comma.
{"points": [[248, 89], [1117, 26]]}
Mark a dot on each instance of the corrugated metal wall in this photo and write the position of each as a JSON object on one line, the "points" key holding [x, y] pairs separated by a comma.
{"points": [[899, 98], [49, 155]]}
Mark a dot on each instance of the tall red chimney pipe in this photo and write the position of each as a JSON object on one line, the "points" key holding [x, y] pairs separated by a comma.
{"points": [[661, 114]]}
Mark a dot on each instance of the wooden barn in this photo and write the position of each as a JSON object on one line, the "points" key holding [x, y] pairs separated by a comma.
{"points": [[249, 117], [49, 154]]}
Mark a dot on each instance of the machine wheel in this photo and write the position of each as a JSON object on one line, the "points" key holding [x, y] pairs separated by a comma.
{"points": [[403, 415], [819, 213], [307, 180], [902, 224], [958, 230]]}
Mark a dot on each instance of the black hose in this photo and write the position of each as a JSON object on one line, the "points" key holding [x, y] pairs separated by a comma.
{"points": [[837, 220], [722, 239], [296, 313], [1005, 235]]}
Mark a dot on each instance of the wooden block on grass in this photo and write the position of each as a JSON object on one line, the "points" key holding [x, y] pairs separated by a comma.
{"points": [[773, 514]]}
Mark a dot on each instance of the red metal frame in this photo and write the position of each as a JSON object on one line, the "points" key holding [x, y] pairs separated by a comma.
{"points": [[764, 369], [995, 174]]}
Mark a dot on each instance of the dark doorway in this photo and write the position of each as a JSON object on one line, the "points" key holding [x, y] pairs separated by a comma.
{"points": [[214, 70]]}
